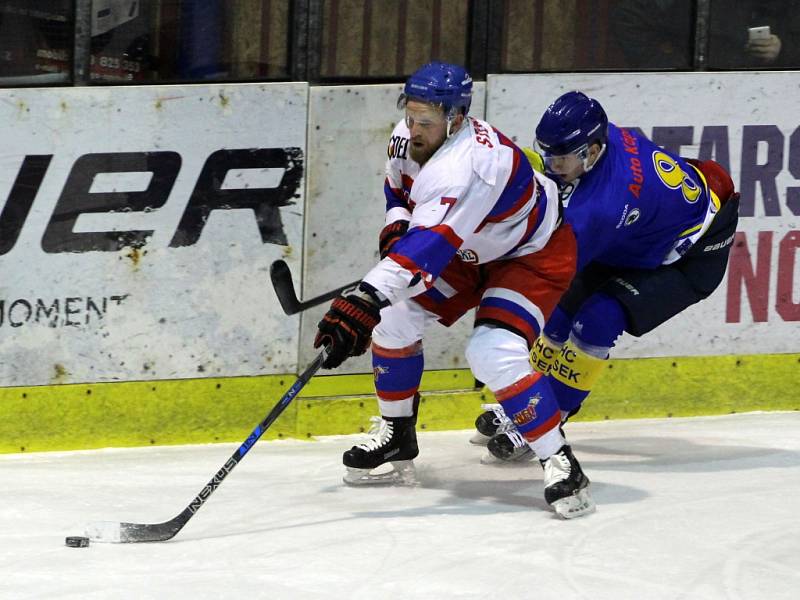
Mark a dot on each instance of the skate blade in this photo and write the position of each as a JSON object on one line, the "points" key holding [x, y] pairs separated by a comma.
{"points": [[523, 457], [490, 459], [577, 505], [479, 439], [402, 472]]}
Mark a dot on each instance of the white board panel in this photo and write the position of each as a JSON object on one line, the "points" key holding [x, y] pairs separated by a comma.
{"points": [[749, 123], [138, 225]]}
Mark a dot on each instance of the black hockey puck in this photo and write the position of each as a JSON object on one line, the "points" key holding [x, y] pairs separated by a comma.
{"points": [[77, 541]]}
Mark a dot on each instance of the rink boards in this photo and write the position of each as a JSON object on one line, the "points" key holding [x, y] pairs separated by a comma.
{"points": [[140, 222]]}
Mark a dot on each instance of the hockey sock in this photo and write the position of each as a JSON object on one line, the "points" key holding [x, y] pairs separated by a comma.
{"points": [[398, 372], [558, 326], [548, 344], [531, 406], [597, 325], [573, 375], [500, 359], [544, 354]]}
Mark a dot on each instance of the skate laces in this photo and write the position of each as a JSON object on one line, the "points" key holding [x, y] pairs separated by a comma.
{"points": [[556, 468], [375, 425], [382, 430], [505, 425], [500, 419], [515, 437]]}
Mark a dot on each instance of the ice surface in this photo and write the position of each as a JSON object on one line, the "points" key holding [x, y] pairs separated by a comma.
{"points": [[104, 531], [699, 508]]}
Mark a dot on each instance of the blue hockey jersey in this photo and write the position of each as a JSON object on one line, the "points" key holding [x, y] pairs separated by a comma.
{"points": [[640, 205]]}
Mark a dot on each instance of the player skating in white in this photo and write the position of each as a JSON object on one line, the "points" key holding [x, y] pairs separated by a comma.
{"points": [[468, 224]]}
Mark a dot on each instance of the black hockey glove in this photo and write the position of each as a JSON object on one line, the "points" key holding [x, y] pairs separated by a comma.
{"points": [[389, 235], [346, 329]]}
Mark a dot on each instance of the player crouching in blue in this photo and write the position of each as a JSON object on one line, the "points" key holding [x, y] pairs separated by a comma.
{"points": [[468, 224], [654, 231]]}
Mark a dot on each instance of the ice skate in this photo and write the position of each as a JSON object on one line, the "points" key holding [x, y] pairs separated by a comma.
{"points": [[507, 446], [496, 431], [489, 423], [566, 488], [395, 444]]}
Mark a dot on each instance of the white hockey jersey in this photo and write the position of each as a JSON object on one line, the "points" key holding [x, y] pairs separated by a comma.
{"points": [[476, 198]]}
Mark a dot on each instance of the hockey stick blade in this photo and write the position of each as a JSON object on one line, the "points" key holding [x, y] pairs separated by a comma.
{"points": [[281, 278], [114, 532], [121, 532]]}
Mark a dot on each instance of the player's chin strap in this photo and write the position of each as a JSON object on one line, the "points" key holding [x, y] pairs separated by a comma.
{"points": [[588, 167], [450, 119]]}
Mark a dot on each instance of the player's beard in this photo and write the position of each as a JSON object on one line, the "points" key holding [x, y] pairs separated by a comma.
{"points": [[421, 154]]}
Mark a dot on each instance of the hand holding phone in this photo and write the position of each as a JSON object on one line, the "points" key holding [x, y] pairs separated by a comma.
{"points": [[758, 33], [762, 44]]}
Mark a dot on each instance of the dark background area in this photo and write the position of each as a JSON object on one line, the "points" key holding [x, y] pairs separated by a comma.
{"points": [[80, 42]]}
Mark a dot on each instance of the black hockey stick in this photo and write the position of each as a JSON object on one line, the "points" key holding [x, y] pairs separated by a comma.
{"points": [[284, 288], [113, 531]]}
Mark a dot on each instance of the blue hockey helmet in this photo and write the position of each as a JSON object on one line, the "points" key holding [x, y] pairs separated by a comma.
{"points": [[571, 124], [439, 83]]}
